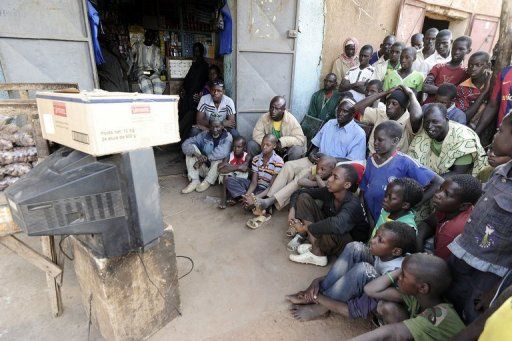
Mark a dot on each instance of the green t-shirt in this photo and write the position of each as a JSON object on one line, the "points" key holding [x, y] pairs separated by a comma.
{"points": [[437, 323], [384, 218], [436, 146]]}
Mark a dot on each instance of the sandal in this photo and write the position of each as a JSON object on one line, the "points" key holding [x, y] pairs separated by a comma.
{"points": [[258, 221], [291, 232]]}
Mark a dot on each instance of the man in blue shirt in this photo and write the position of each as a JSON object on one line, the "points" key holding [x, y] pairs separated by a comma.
{"points": [[340, 138]]}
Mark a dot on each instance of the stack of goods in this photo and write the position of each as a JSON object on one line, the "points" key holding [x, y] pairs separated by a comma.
{"points": [[18, 153]]}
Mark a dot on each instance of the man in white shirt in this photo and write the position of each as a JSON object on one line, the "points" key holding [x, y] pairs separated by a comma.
{"points": [[441, 55], [429, 47], [356, 78]]}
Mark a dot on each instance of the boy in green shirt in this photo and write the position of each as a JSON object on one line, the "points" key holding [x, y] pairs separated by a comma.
{"points": [[421, 282]]}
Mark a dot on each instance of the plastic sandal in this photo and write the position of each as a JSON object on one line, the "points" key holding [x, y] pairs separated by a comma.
{"points": [[257, 222]]}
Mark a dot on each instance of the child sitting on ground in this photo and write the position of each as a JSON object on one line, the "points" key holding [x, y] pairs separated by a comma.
{"points": [[265, 167], [354, 268], [337, 222], [401, 196], [204, 152], [421, 281], [237, 164], [310, 177], [387, 164], [453, 204], [446, 94]]}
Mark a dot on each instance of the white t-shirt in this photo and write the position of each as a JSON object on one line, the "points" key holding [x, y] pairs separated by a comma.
{"points": [[226, 107], [355, 75], [390, 265]]}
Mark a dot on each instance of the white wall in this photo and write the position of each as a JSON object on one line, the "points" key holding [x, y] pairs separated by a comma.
{"points": [[308, 61]]}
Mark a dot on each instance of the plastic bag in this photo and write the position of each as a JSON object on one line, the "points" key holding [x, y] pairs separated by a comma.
{"points": [[17, 169], [7, 181]]}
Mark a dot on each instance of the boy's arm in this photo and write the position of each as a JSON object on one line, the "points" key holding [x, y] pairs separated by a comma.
{"points": [[429, 86], [415, 112], [307, 183], [254, 183], [431, 188], [223, 166], [381, 288], [426, 229], [473, 109], [265, 192], [368, 101], [395, 331]]}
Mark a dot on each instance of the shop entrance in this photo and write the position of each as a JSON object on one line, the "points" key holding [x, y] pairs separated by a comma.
{"points": [[176, 26]]}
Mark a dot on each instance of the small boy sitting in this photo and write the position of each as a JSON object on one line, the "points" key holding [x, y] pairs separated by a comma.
{"points": [[237, 164], [314, 176], [341, 290], [337, 222], [453, 204], [446, 95], [421, 281], [204, 152], [401, 196], [265, 167], [387, 164]]}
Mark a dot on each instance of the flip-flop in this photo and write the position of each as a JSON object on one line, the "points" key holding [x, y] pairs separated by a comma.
{"points": [[258, 221]]}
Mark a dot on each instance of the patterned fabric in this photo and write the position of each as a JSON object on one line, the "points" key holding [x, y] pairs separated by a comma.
{"points": [[207, 106], [268, 170], [460, 141], [486, 242], [151, 84], [414, 80], [467, 93], [440, 322]]}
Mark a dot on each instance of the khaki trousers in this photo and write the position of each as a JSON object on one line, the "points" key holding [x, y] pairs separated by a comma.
{"points": [[210, 174]]}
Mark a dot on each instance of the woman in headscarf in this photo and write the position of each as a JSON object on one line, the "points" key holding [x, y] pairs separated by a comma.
{"points": [[192, 84], [347, 60]]}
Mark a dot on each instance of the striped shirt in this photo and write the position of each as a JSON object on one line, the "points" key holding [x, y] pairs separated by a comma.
{"points": [[266, 171], [226, 107]]}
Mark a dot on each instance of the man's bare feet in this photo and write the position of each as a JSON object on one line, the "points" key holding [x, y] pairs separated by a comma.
{"points": [[298, 298], [308, 312]]}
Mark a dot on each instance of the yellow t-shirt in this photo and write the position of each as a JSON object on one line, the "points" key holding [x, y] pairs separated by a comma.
{"points": [[277, 125], [497, 325]]}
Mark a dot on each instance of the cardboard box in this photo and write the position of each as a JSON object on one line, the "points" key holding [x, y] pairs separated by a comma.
{"points": [[101, 123]]}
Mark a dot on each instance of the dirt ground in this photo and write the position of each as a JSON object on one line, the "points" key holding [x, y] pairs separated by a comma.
{"points": [[235, 291]]}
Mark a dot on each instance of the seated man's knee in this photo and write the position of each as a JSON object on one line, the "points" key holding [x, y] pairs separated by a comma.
{"points": [[253, 148], [295, 153]]}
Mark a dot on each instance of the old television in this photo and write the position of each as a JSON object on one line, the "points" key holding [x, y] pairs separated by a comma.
{"points": [[112, 203]]}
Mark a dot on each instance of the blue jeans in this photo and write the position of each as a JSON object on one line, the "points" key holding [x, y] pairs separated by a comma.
{"points": [[350, 273]]}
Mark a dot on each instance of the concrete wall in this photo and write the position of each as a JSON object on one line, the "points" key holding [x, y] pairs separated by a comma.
{"points": [[371, 20], [308, 61]]}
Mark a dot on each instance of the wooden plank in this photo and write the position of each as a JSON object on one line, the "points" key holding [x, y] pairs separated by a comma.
{"points": [[54, 288], [14, 107], [36, 86], [30, 255]]}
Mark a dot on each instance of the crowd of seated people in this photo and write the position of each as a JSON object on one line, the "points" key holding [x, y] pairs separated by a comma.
{"points": [[399, 177]]}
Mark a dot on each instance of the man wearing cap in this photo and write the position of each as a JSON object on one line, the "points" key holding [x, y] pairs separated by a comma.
{"points": [[401, 106]]}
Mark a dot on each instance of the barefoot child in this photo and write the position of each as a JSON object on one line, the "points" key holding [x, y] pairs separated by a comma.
{"points": [[237, 164], [387, 164], [341, 289], [329, 228], [421, 281], [265, 167], [453, 204]]}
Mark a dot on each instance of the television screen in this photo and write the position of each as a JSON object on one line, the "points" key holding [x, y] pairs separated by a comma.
{"points": [[111, 202]]}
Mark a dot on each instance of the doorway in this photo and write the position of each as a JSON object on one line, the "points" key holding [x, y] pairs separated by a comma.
{"points": [[430, 22]]}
